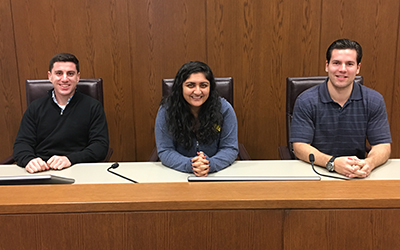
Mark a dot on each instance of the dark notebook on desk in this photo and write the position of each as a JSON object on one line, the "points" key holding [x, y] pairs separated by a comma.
{"points": [[35, 179], [253, 178]]}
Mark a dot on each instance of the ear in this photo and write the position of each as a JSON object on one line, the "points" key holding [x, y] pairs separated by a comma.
{"points": [[326, 66], [78, 76], [358, 68], [48, 74]]}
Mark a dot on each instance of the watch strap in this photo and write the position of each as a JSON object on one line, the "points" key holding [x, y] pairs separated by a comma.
{"points": [[330, 165]]}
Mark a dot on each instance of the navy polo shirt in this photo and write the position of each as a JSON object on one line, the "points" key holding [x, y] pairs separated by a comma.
{"points": [[336, 130]]}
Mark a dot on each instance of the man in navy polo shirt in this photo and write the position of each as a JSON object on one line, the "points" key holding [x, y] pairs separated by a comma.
{"points": [[333, 120]]}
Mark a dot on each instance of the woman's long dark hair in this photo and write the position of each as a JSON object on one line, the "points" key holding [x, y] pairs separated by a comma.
{"points": [[180, 120]]}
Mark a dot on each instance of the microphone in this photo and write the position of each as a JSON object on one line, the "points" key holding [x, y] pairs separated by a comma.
{"points": [[114, 166], [312, 160]]}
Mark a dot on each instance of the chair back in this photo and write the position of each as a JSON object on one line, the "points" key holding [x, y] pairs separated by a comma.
{"points": [[38, 88], [294, 87], [224, 86]]}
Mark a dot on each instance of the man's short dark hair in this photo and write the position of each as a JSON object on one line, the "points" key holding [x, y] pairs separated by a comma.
{"points": [[344, 44], [64, 57]]}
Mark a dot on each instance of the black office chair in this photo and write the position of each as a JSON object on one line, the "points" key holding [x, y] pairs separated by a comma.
{"points": [[38, 88], [224, 86], [294, 87]]}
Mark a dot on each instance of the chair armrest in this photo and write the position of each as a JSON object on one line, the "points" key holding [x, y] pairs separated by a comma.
{"points": [[153, 156], [8, 160], [284, 153], [109, 154], [243, 154]]}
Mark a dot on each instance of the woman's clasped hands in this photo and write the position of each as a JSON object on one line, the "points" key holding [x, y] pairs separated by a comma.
{"points": [[200, 165]]}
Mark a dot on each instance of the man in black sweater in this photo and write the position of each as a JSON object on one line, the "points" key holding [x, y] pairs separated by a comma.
{"points": [[63, 128]]}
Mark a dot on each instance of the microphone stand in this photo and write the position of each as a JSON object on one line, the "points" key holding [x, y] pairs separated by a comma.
{"points": [[115, 165]]}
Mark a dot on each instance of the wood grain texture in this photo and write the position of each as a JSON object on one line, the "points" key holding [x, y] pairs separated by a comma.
{"points": [[132, 45], [331, 229], [342, 229], [394, 115], [245, 215], [164, 35], [374, 229], [154, 230], [199, 196], [10, 98]]}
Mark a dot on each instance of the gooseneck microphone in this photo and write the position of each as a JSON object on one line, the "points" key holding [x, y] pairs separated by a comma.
{"points": [[114, 166], [312, 160]]}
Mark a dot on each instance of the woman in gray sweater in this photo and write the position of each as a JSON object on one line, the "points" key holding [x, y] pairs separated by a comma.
{"points": [[195, 129]]}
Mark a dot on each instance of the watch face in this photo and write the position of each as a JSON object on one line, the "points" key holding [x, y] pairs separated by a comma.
{"points": [[330, 166]]}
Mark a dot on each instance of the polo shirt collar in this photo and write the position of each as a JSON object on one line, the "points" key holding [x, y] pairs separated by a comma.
{"points": [[326, 98]]}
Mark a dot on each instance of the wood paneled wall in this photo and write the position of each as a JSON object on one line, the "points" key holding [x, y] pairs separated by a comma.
{"points": [[283, 229], [132, 45]]}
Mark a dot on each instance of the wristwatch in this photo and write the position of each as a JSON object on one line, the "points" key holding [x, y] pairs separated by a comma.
{"points": [[330, 165]]}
